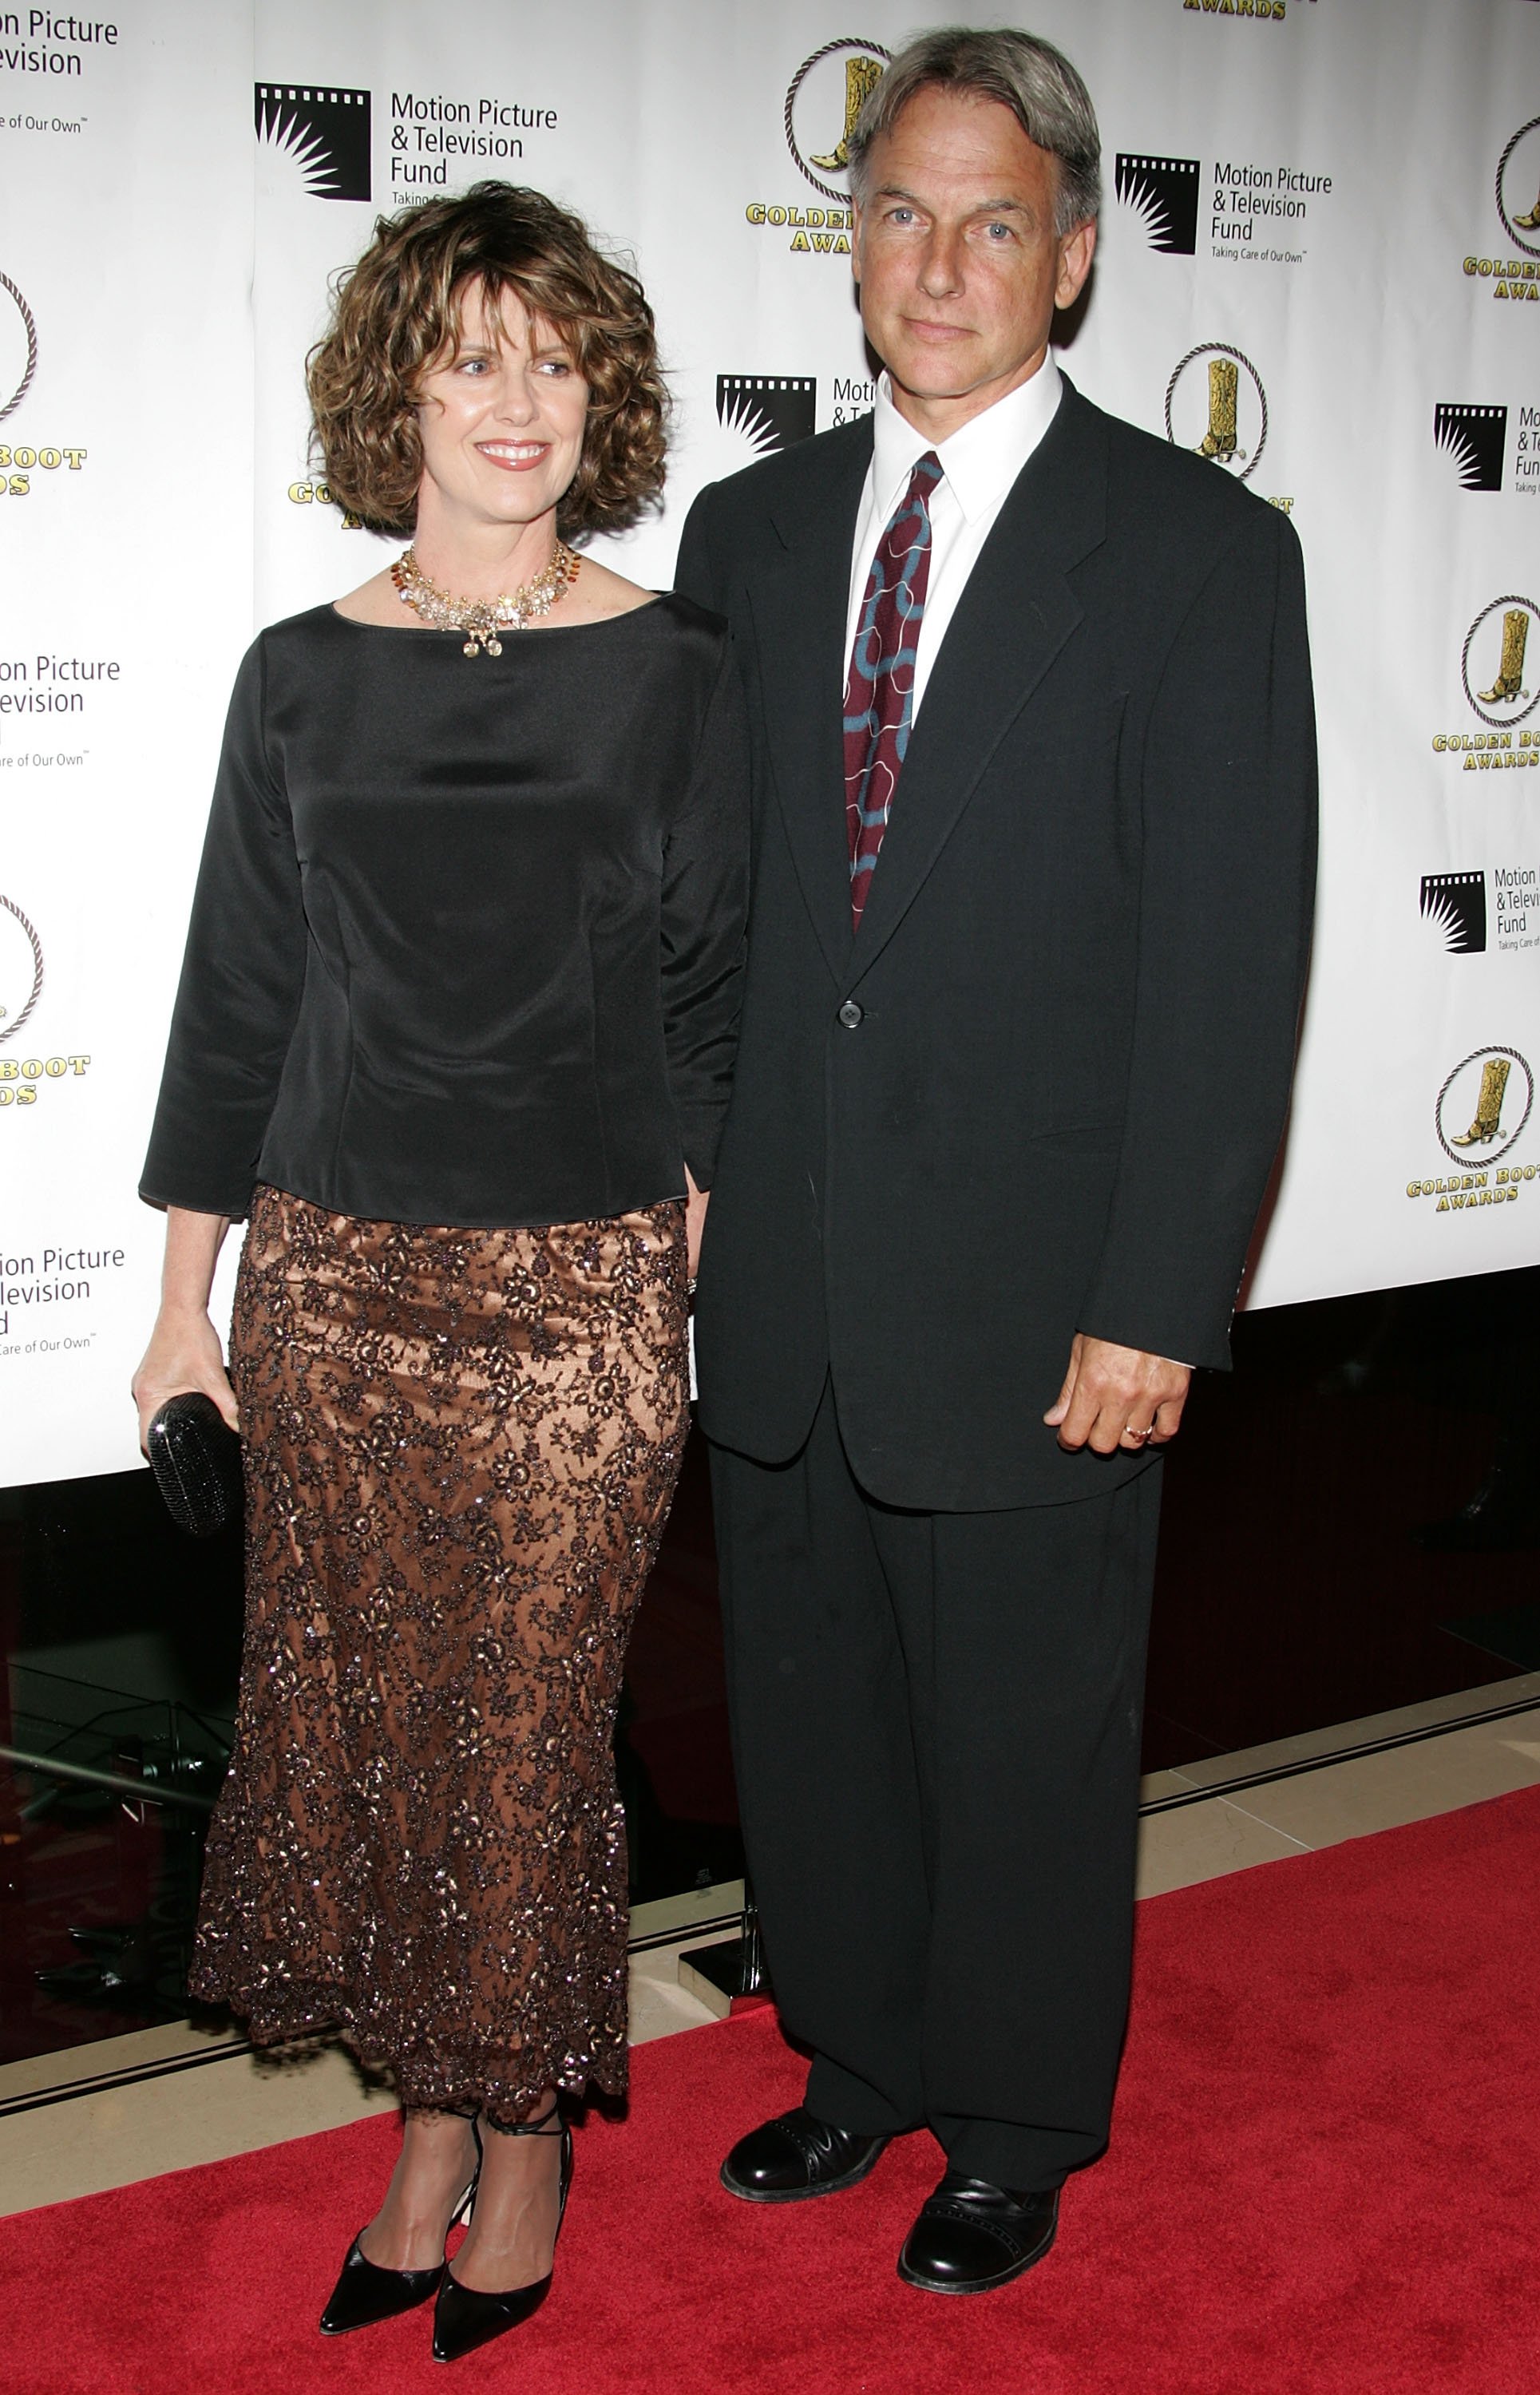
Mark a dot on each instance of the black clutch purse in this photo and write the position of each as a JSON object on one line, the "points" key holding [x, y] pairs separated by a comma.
{"points": [[196, 1460]]}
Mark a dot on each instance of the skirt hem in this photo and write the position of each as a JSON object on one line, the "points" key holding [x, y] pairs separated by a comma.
{"points": [[439, 2083]]}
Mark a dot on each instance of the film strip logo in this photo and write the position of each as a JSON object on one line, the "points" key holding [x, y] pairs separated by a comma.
{"points": [[1455, 905], [1476, 437], [1164, 194], [769, 412], [323, 130]]}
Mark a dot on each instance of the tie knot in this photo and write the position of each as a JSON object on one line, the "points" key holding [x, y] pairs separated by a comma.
{"points": [[926, 474]]}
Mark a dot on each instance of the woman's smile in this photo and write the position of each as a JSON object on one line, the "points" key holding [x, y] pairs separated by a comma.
{"points": [[513, 456]]}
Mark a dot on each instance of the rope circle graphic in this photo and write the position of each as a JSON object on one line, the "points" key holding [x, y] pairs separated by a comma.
{"points": [[9, 1030], [845, 42], [1531, 249], [1478, 1055], [1220, 350], [30, 324], [1509, 599]]}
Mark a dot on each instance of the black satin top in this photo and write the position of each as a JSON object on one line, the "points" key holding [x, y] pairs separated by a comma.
{"points": [[468, 932]]}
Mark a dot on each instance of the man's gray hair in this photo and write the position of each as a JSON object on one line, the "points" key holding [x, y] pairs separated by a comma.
{"points": [[1029, 77]]}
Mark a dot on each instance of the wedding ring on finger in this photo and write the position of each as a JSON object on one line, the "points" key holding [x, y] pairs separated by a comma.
{"points": [[1138, 1437]]}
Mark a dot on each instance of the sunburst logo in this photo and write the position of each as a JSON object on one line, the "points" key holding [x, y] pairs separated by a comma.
{"points": [[1162, 192], [1454, 907], [320, 134], [756, 415], [1476, 438], [768, 412]]}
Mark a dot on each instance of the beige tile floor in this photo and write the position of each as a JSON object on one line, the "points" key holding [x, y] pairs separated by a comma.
{"points": [[229, 2101]]}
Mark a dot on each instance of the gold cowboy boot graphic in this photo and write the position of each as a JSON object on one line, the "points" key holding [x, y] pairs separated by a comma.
{"points": [[1218, 442], [862, 76], [1489, 1106], [1531, 222], [1510, 670]]}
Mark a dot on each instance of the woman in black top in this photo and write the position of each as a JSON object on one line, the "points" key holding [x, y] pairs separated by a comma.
{"points": [[454, 1031]]}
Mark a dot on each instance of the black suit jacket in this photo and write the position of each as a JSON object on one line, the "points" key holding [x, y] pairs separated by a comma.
{"points": [[1042, 1088]]}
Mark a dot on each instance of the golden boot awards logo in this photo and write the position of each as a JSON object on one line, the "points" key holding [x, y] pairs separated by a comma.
{"points": [[1271, 11], [307, 493], [1484, 1103], [1517, 180], [1517, 191], [1482, 1111], [17, 349], [1216, 405], [824, 98], [21, 460], [1506, 625], [21, 968], [859, 66], [23, 1071], [1500, 678]]}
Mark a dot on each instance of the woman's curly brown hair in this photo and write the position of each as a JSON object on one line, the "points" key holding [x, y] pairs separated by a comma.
{"points": [[396, 316]]}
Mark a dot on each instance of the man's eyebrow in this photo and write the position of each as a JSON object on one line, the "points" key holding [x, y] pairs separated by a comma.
{"points": [[1002, 208]]}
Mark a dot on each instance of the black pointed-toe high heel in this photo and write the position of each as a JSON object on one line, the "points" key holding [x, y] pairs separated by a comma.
{"points": [[365, 2293], [467, 2317]]}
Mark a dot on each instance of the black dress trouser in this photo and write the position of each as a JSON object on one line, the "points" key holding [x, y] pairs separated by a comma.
{"points": [[936, 1724]]}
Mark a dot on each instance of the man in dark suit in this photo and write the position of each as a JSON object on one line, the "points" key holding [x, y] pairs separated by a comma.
{"points": [[1028, 944]]}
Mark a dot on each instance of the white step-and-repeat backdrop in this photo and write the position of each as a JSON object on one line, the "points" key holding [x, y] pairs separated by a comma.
{"points": [[1319, 248]]}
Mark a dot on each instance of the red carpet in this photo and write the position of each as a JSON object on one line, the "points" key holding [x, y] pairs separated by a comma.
{"points": [[1323, 2180]]}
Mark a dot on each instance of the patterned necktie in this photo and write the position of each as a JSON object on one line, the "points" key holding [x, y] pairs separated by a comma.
{"points": [[879, 704]]}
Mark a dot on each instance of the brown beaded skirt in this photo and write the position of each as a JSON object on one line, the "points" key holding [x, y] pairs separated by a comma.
{"points": [[461, 1446]]}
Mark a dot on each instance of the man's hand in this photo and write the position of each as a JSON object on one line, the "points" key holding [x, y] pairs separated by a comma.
{"points": [[1118, 1398]]}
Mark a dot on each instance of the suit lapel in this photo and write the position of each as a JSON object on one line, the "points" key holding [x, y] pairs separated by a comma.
{"points": [[1014, 618], [800, 601]]}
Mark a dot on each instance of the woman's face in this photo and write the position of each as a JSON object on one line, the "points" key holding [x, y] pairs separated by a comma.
{"points": [[502, 418]]}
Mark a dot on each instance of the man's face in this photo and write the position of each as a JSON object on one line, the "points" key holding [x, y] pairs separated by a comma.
{"points": [[959, 266]]}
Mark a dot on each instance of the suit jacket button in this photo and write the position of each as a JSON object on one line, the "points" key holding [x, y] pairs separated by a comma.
{"points": [[850, 1013]]}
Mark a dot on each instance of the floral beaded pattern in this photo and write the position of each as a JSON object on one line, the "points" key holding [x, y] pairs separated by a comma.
{"points": [[461, 1446]]}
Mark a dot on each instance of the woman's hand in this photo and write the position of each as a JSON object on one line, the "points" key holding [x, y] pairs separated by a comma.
{"points": [[184, 1351], [183, 1354], [695, 1221]]}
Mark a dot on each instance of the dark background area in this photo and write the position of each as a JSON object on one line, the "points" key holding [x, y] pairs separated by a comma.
{"points": [[1297, 1588]]}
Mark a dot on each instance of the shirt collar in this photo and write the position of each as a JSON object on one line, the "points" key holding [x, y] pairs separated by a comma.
{"points": [[980, 461]]}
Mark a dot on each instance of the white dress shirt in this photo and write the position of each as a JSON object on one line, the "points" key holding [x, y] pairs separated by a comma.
{"points": [[979, 466]]}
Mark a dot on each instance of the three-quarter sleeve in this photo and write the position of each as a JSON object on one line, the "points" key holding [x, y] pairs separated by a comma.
{"points": [[242, 980], [705, 902]]}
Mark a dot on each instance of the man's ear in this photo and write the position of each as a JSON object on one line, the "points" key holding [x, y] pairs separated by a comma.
{"points": [[1076, 251], [855, 240]]}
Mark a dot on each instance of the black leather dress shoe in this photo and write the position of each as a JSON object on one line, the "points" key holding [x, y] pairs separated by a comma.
{"points": [[971, 2236], [795, 2156]]}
